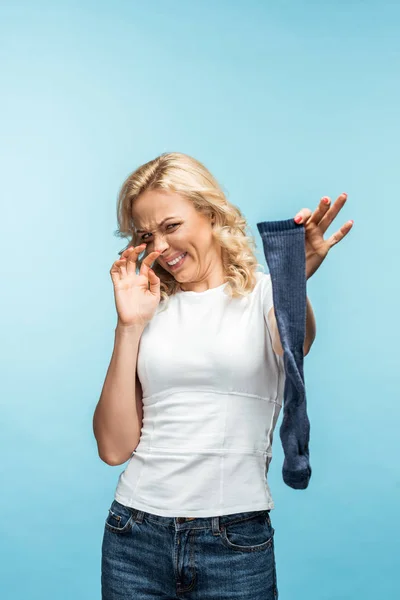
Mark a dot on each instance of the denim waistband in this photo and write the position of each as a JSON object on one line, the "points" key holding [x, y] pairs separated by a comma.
{"points": [[213, 523]]}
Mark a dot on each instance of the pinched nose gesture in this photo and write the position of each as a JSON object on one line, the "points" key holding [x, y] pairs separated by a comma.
{"points": [[135, 301], [315, 225]]}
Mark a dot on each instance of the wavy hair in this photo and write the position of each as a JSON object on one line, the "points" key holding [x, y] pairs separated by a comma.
{"points": [[183, 174]]}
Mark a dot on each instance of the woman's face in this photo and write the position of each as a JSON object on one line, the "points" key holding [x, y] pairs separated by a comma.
{"points": [[184, 231]]}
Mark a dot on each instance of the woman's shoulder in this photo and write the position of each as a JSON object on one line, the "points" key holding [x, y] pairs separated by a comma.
{"points": [[263, 278], [263, 286]]}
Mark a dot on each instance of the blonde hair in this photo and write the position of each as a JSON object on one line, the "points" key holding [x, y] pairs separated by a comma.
{"points": [[182, 174]]}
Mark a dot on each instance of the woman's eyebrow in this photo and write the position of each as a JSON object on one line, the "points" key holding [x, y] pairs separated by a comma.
{"points": [[159, 225]]}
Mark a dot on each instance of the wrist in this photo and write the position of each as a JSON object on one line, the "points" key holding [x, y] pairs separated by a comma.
{"points": [[133, 328]]}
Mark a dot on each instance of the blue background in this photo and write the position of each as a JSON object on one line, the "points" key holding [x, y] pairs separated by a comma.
{"points": [[284, 102]]}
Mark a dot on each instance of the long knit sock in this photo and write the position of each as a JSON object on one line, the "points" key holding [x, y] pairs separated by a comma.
{"points": [[284, 250]]}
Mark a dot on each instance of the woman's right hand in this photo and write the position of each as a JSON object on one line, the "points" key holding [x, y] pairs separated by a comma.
{"points": [[135, 302]]}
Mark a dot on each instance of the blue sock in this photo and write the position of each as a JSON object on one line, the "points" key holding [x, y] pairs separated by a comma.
{"points": [[284, 250]]}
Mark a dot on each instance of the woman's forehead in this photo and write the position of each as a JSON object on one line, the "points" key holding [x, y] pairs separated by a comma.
{"points": [[151, 209]]}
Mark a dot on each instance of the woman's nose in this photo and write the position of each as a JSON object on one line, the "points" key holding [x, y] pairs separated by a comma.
{"points": [[160, 247]]}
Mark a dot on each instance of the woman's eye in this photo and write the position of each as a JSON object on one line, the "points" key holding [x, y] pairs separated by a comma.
{"points": [[170, 225]]}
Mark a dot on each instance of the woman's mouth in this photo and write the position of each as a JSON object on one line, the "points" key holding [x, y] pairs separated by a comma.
{"points": [[177, 262]]}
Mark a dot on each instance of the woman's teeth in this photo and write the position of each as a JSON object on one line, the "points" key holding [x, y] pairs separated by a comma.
{"points": [[174, 262]]}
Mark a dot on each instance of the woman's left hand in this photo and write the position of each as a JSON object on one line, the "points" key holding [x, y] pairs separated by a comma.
{"points": [[315, 225]]}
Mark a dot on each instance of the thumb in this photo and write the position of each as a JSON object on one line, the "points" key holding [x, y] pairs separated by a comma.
{"points": [[154, 282]]}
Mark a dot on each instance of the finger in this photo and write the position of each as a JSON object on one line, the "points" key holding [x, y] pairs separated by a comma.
{"points": [[115, 274], [132, 254], [121, 263], [339, 235], [321, 210], [147, 262], [303, 215], [118, 270], [332, 213], [136, 249]]}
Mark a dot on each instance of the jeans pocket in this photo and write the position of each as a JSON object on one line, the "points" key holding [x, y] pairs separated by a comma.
{"points": [[249, 535], [120, 518]]}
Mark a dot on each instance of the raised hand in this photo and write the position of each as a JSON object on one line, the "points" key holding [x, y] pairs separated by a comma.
{"points": [[315, 225], [136, 295]]}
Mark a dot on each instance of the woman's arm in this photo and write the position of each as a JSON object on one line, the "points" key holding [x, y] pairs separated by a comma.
{"points": [[117, 420], [311, 330]]}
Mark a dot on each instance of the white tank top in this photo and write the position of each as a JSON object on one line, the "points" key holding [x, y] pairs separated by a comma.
{"points": [[212, 393]]}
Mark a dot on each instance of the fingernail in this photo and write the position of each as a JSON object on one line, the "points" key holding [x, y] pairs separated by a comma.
{"points": [[297, 219], [325, 200], [344, 194]]}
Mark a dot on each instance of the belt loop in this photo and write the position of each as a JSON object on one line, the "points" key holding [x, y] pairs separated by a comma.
{"points": [[215, 524], [139, 516]]}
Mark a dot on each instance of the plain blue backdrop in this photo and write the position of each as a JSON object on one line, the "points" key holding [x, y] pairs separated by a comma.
{"points": [[284, 102]]}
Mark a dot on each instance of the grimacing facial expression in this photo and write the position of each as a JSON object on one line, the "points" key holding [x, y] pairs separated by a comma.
{"points": [[183, 231]]}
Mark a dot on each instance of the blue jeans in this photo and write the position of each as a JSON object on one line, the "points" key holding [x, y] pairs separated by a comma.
{"points": [[148, 557]]}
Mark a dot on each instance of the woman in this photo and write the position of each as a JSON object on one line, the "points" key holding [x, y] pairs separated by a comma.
{"points": [[197, 347]]}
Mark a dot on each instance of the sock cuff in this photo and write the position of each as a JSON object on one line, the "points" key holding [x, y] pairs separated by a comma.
{"points": [[287, 225]]}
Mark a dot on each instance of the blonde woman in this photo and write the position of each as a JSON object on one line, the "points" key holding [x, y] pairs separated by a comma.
{"points": [[192, 393]]}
